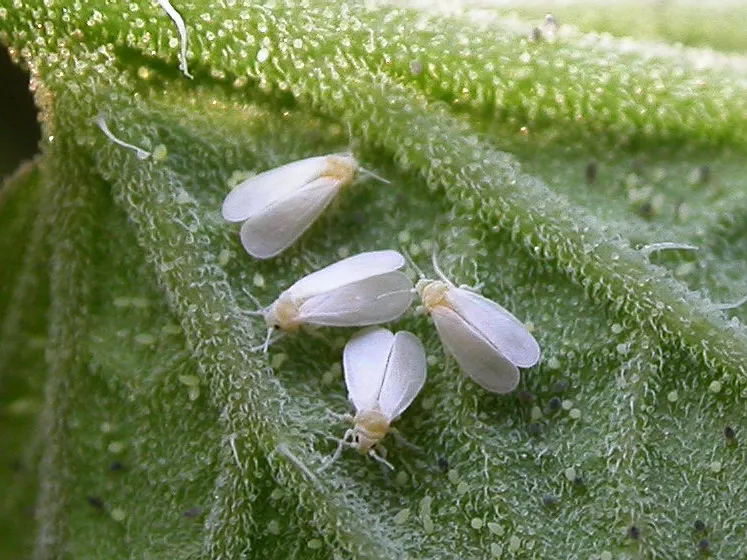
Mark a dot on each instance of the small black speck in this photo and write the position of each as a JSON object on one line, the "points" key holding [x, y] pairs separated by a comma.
{"points": [[534, 429], [536, 35], [526, 397], [116, 466], [561, 387], [579, 482], [730, 435], [591, 171], [646, 210], [699, 526], [443, 464], [634, 533], [555, 404], [704, 546], [95, 502], [549, 500], [191, 513]]}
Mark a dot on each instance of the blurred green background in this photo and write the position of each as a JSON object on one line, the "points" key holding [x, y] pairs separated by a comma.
{"points": [[19, 129]]}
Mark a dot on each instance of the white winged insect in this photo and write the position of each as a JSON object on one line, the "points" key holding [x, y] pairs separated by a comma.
{"points": [[277, 206], [362, 290], [384, 372], [487, 341]]}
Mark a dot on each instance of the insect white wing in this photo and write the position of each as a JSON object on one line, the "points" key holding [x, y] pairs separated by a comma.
{"points": [[270, 232], [405, 374], [371, 300], [477, 357], [257, 193], [499, 327], [347, 271], [364, 361]]}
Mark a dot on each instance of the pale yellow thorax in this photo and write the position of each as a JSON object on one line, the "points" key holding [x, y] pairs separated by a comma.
{"points": [[371, 426], [283, 314], [432, 293], [341, 167]]}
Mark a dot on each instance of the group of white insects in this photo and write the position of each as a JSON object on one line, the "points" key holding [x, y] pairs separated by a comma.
{"points": [[383, 371]]}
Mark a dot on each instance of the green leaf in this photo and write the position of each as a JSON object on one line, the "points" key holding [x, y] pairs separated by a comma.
{"points": [[555, 175]]}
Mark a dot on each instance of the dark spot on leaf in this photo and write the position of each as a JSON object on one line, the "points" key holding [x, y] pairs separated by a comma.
{"points": [[699, 526], [536, 35], [95, 502], [704, 546], [561, 387], [443, 464], [525, 397], [16, 466], [555, 404], [730, 435], [646, 210], [591, 171], [549, 500], [534, 429], [634, 533], [191, 513], [116, 466], [579, 482]]}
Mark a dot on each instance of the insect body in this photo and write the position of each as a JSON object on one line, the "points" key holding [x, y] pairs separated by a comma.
{"points": [[277, 206], [384, 372], [365, 289], [487, 341]]}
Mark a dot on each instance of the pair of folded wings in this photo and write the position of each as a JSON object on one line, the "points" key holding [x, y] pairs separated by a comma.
{"points": [[277, 206]]}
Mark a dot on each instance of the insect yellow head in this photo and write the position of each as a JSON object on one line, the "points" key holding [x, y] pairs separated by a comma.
{"points": [[431, 292], [341, 167], [283, 314], [371, 426]]}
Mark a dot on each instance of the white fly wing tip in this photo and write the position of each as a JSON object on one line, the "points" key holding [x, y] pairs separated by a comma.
{"points": [[503, 384], [496, 324], [233, 208], [405, 375], [476, 356], [364, 361]]}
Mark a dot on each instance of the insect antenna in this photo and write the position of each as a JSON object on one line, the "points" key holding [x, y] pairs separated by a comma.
{"points": [[374, 175], [411, 262], [436, 268], [361, 169]]}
